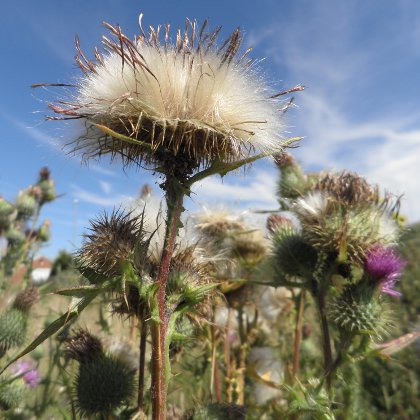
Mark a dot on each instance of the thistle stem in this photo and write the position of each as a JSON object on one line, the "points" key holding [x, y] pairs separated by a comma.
{"points": [[142, 359], [174, 200], [298, 335], [325, 338]]}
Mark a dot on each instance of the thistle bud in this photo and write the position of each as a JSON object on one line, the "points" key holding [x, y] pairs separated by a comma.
{"points": [[278, 224], [357, 312], [293, 182], [294, 256], [13, 326], [103, 383], [14, 322], [15, 236], [25, 204], [12, 393], [43, 233], [47, 189], [6, 211]]}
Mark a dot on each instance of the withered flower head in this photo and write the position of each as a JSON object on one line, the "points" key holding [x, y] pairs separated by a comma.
{"points": [[185, 97], [249, 246], [44, 174], [216, 225], [114, 239], [347, 187], [284, 159], [277, 222], [26, 298], [83, 347]]}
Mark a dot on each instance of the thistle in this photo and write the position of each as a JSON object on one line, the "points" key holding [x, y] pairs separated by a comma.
{"points": [[46, 186], [293, 182], [113, 240], [6, 211], [26, 203], [189, 100], [103, 383], [357, 312], [186, 109], [384, 267], [14, 322]]}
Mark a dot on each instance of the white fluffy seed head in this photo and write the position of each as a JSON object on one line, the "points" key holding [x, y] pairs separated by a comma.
{"points": [[189, 98]]}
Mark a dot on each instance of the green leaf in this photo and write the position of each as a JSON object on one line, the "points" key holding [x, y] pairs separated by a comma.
{"points": [[83, 291], [75, 308]]}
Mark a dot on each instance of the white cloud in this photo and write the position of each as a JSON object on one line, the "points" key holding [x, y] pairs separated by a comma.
{"points": [[257, 188], [99, 199], [105, 187], [343, 115]]}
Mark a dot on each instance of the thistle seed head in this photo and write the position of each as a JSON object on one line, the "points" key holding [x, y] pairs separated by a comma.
{"points": [[83, 347], [250, 247], [26, 298], [113, 240], [346, 187], [217, 225], [186, 99]]}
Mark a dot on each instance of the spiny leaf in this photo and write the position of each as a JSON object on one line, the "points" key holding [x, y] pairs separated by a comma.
{"points": [[75, 308]]}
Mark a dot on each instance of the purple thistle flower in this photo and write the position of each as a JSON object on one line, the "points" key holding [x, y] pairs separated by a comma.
{"points": [[385, 267], [28, 372]]}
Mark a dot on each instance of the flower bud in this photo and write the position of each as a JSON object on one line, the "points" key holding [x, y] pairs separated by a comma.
{"points": [[277, 224], [12, 393], [357, 312], [15, 236], [43, 234], [13, 326], [293, 182], [47, 191], [103, 383], [6, 211], [294, 256], [25, 204], [13, 322]]}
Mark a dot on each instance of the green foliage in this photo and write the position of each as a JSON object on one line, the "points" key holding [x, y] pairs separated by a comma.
{"points": [[219, 412], [13, 326], [12, 392], [102, 385]]}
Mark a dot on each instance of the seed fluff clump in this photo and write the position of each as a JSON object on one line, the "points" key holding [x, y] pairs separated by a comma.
{"points": [[150, 99]]}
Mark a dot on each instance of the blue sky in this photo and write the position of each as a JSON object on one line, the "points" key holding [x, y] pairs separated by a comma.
{"points": [[359, 62]]}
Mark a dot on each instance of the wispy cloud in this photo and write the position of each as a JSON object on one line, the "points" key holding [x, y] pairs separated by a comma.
{"points": [[33, 132], [86, 196], [102, 171], [105, 187], [257, 189], [347, 119]]}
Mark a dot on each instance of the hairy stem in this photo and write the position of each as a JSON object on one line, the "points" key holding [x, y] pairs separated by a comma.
{"points": [[142, 360], [174, 200], [298, 334], [325, 339]]}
